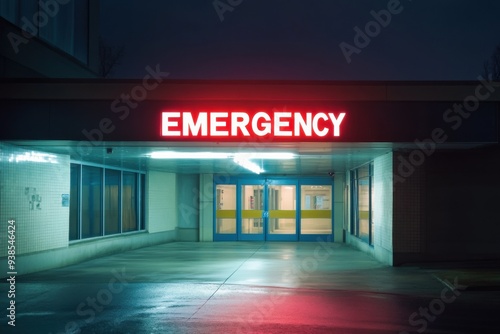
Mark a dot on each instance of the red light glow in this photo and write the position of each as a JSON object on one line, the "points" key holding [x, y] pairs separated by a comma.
{"points": [[238, 125]]}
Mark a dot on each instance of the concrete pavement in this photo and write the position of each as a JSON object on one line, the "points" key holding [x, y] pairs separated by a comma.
{"points": [[249, 287]]}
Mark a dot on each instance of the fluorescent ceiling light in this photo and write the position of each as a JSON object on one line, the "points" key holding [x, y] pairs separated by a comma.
{"points": [[189, 155], [221, 155], [34, 157], [240, 158], [247, 164]]}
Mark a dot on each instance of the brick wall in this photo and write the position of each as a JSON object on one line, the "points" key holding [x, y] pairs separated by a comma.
{"points": [[409, 204]]}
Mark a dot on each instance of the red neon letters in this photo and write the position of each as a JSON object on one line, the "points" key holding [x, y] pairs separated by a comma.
{"points": [[284, 125]]}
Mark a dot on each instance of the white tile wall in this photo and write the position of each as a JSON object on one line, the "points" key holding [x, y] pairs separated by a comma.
{"points": [[37, 229], [162, 202], [383, 201]]}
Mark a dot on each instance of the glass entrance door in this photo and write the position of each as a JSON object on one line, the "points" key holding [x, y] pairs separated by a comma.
{"points": [[225, 212], [274, 209], [268, 210], [316, 210], [252, 211], [282, 210]]}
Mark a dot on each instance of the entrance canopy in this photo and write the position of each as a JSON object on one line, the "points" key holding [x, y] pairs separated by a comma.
{"points": [[304, 128]]}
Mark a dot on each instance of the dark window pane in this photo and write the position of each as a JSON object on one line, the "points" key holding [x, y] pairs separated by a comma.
{"points": [[8, 10], [91, 201], [143, 202], [129, 209], [28, 10], [112, 201], [74, 202], [81, 30], [60, 29]]}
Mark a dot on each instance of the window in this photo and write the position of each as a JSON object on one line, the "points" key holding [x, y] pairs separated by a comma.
{"points": [[74, 195], [28, 9], [361, 202], [252, 205], [64, 25], [112, 201], [59, 30], [105, 201], [129, 211], [225, 209], [316, 209], [142, 204], [91, 201], [9, 10], [282, 209], [81, 34]]}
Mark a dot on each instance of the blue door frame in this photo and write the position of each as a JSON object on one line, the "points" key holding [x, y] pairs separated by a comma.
{"points": [[254, 182], [266, 182], [282, 182]]}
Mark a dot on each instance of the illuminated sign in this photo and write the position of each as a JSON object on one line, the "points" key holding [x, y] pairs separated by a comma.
{"points": [[284, 125]]}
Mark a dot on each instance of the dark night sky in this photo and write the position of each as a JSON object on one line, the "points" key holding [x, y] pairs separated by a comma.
{"points": [[299, 39]]}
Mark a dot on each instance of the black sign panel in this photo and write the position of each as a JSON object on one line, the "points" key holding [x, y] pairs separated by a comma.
{"points": [[98, 121]]}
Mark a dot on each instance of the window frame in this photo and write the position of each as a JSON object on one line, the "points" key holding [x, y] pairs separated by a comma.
{"points": [[139, 198], [355, 201]]}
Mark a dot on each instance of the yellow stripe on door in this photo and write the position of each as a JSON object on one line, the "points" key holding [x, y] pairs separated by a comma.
{"points": [[316, 214], [364, 215], [282, 214], [290, 214], [221, 214], [251, 214]]}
